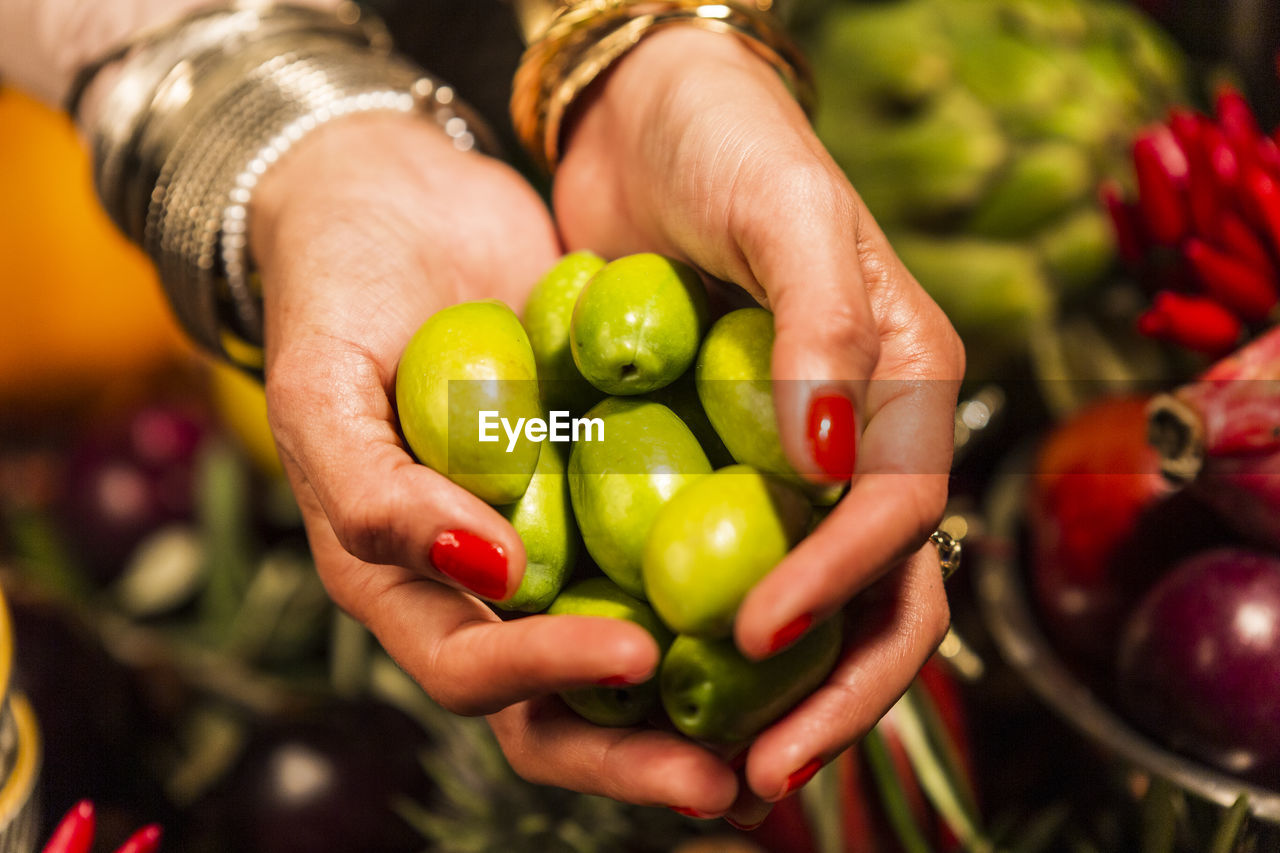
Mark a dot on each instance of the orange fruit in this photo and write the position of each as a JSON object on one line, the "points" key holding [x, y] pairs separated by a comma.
{"points": [[81, 304]]}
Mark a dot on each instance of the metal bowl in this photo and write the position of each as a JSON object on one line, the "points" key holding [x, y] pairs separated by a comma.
{"points": [[1002, 597]]}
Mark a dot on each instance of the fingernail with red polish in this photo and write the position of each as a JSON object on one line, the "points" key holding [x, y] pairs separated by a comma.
{"points": [[797, 779], [687, 812], [832, 435], [476, 563], [790, 632], [618, 681]]}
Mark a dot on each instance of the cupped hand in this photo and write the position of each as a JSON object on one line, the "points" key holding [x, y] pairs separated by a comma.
{"points": [[692, 146], [371, 225]]}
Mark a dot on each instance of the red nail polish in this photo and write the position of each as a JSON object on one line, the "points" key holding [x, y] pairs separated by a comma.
{"points": [[797, 779], [476, 563], [145, 840], [742, 827], [832, 435], [790, 632], [74, 833], [617, 681], [687, 812]]}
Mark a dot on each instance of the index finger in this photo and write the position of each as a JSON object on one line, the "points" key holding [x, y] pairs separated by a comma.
{"points": [[898, 494]]}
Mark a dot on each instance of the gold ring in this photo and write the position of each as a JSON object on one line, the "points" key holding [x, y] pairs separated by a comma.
{"points": [[948, 552]]}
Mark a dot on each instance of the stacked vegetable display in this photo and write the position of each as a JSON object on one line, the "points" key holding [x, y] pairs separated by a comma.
{"points": [[977, 132], [676, 482]]}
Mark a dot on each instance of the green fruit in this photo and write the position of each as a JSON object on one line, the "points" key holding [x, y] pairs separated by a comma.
{"points": [[467, 359], [546, 318], [714, 694], [617, 485], [1043, 181], [995, 289], [612, 706], [544, 519], [998, 120], [637, 324], [734, 381], [714, 541], [681, 397]]}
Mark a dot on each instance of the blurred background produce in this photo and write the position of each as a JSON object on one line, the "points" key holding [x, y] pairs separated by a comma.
{"points": [[1040, 165]]}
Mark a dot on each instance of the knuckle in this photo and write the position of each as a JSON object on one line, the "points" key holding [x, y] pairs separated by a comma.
{"points": [[364, 526], [815, 197], [927, 503], [842, 332], [527, 765]]}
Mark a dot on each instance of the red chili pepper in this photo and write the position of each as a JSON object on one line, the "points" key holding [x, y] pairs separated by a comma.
{"points": [[1231, 282], [1203, 196], [1161, 178], [74, 833], [1194, 322], [1269, 155], [1238, 123], [1238, 239], [1124, 220], [1186, 127], [1222, 159], [145, 840], [1262, 197]]}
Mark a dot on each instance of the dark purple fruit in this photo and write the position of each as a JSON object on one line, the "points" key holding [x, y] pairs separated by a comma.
{"points": [[329, 781], [1199, 663], [127, 480]]}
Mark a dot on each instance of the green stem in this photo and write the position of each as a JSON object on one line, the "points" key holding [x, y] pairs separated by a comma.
{"points": [[821, 801], [349, 661], [1228, 834], [222, 506], [1159, 818], [910, 836], [940, 786]]}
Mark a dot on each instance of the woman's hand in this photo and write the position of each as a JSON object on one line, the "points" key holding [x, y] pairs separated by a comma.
{"points": [[693, 147], [372, 224]]}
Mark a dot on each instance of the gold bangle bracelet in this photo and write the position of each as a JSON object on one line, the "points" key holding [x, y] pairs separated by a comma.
{"points": [[584, 38]]}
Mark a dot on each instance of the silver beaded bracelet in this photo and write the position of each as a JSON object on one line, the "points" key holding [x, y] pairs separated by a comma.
{"points": [[202, 109]]}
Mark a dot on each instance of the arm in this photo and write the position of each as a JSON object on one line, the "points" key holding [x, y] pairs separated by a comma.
{"points": [[690, 144], [361, 231]]}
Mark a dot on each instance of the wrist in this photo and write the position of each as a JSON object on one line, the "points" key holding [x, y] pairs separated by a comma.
{"points": [[673, 79], [337, 167], [586, 39]]}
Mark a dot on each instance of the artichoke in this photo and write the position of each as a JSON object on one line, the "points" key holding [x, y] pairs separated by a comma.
{"points": [[978, 133]]}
